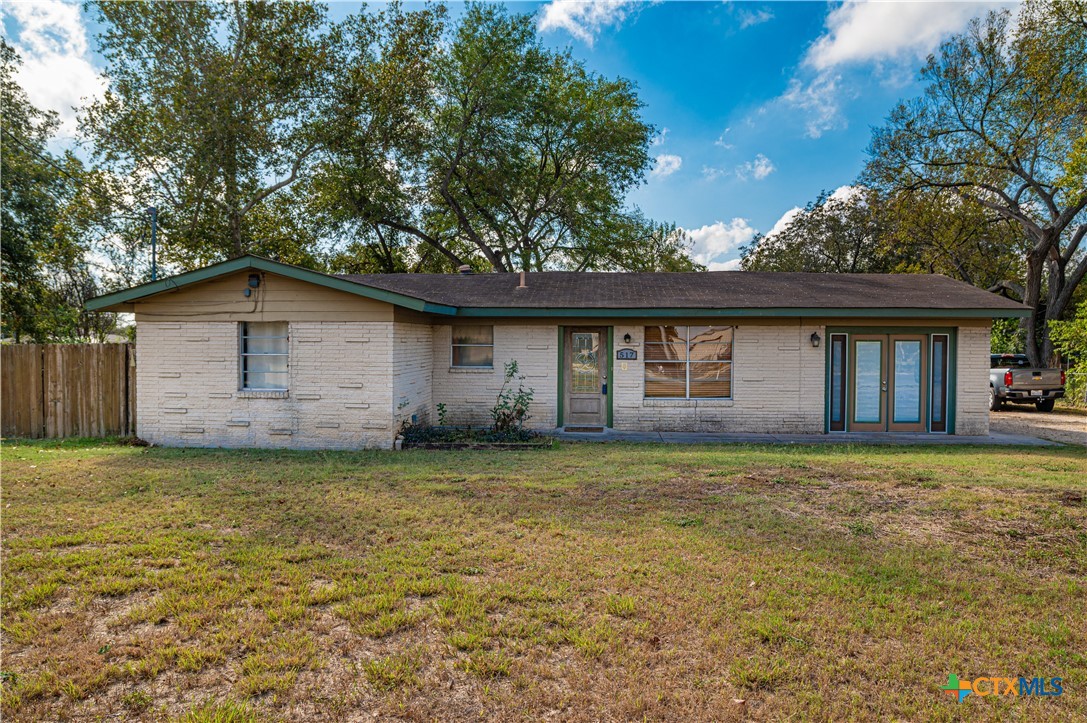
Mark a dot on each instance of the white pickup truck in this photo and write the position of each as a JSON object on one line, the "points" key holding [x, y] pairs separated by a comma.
{"points": [[1013, 379]]}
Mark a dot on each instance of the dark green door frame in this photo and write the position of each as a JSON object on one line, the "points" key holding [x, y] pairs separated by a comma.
{"points": [[562, 372], [952, 359]]}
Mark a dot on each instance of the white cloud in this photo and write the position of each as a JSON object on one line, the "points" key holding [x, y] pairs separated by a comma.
{"points": [[842, 193], [785, 220], [660, 138], [56, 72], [858, 32], [846, 193], [712, 174], [819, 101], [666, 165], [719, 239], [749, 18], [584, 19], [722, 142], [758, 169], [888, 38], [730, 265]]}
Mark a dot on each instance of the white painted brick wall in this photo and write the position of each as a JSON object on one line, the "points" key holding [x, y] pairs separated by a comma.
{"points": [[469, 394], [413, 354], [972, 381], [353, 383], [339, 393], [778, 386]]}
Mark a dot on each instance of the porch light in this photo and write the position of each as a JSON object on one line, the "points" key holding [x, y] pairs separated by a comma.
{"points": [[815, 339], [626, 338]]}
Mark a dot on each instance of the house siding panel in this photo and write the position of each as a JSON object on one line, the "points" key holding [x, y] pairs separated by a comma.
{"points": [[469, 394], [413, 350], [972, 381], [339, 394]]}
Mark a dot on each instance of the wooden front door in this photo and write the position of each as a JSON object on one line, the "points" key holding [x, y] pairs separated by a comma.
{"points": [[585, 376], [888, 374]]}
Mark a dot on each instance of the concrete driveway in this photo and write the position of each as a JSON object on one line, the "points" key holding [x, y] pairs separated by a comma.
{"points": [[1068, 426]]}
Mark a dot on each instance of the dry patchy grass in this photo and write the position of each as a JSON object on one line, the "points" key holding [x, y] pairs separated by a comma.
{"points": [[586, 582]]}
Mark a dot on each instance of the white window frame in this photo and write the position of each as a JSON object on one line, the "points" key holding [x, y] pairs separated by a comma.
{"points": [[243, 354], [687, 362], [453, 345]]}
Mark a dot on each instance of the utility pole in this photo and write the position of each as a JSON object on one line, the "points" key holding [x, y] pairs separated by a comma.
{"points": [[154, 255]]}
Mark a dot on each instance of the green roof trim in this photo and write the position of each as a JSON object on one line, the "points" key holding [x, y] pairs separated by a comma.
{"points": [[259, 263], [893, 313]]}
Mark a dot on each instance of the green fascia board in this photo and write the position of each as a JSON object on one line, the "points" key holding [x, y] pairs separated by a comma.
{"points": [[262, 264], [917, 313]]}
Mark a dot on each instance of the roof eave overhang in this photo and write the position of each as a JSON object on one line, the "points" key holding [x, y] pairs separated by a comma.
{"points": [[891, 313], [124, 300]]}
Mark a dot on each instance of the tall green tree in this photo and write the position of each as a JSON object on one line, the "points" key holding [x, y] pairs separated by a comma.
{"points": [[45, 276], [31, 187], [494, 151], [1001, 125], [832, 234], [211, 109]]}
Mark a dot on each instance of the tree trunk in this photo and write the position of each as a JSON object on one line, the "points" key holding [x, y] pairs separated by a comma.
{"points": [[1032, 297], [236, 232]]}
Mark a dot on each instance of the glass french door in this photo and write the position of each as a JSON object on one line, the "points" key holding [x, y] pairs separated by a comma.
{"points": [[888, 383]]}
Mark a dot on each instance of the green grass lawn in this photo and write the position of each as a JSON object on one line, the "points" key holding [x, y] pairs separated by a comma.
{"points": [[592, 582]]}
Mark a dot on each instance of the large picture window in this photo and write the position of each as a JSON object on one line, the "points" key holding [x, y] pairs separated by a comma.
{"points": [[263, 352], [473, 346], [688, 362]]}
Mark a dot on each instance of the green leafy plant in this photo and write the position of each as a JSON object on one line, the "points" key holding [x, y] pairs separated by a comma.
{"points": [[442, 414], [511, 406], [1070, 340]]}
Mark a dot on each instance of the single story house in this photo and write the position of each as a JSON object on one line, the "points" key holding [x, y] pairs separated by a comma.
{"points": [[255, 353]]}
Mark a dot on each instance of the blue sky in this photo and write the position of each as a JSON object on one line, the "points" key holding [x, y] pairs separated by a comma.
{"points": [[760, 105]]}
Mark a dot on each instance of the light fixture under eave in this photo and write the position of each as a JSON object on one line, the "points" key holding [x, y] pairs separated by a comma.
{"points": [[815, 339]]}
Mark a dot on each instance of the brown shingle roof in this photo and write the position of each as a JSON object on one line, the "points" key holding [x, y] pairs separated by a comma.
{"points": [[696, 290]]}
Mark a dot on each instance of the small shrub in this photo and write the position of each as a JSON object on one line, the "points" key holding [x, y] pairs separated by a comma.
{"points": [[511, 407]]}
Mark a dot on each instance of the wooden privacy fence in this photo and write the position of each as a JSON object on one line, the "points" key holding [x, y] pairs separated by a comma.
{"points": [[67, 390]]}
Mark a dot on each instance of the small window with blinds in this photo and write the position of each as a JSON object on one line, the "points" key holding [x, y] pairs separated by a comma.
{"points": [[263, 355], [473, 346], [688, 362]]}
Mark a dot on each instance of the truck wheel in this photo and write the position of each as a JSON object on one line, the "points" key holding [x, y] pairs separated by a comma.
{"points": [[1044, 405], [995, 402]]}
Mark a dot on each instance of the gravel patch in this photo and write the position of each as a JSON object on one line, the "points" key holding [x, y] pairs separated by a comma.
{"points": [[1061, 425]]}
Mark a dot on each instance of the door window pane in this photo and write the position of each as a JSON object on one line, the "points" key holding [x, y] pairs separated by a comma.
{"points": [[585, 365], [837, 382], [869, 373], [907, 381], [939, 383]]}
